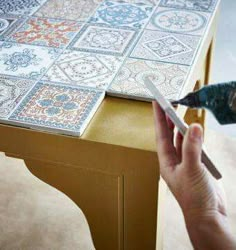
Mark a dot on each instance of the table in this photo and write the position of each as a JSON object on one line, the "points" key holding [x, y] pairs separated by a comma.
{"points": [[111, 171]]}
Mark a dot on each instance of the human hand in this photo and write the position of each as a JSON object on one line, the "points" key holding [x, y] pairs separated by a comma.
{"points": [[198, 194]]}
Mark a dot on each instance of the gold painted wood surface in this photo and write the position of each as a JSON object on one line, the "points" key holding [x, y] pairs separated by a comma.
{"points": [[112, 171]]}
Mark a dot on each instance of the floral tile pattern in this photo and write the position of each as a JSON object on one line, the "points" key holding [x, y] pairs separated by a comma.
{"points": [[8, 24], [58, 108], [104, 40], [47, 32], [20, 7], [79, 10], [25, 60], [122, 14], [166, 47], [200, 5], [129, 83], [11, 92], [85, 69], [180, 21]]}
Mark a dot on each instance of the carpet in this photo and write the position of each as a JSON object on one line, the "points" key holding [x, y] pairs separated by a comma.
{"points": [[34, 215]]}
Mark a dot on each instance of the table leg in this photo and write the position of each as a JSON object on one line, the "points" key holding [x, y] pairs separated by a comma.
{"points": [[120, 209], [194, 115]]}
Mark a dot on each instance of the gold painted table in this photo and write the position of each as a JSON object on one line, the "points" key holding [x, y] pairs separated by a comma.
{"points": [[111, 172]]}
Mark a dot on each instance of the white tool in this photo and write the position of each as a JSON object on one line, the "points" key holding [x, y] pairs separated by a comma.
{"points": [[180, 124]]}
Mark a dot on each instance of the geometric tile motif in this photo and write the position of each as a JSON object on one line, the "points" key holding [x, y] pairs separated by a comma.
{"points": [[46, 32], [180, 49], [12, 91], [59, 108], [129, 82], [180, 21], [121, 14], [20, 7], [104, 40], [166, 47], [148, 2], [8, 24], [79, 10], [199, 5], [84, 69], [25, 60], [66, 98]]}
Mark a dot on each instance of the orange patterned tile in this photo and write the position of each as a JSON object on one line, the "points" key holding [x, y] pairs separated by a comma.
{"points": [[46, 32]]}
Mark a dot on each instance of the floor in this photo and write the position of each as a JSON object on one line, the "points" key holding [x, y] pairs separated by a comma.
{"points": [[225, 54], [35, 216]]}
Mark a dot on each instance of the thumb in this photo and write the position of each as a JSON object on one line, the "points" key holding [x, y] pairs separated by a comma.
{"points": [[192, 146]]}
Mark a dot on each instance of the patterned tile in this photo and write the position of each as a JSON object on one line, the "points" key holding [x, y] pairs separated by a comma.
{"points": [[8, 24], [200, 5], [20, 7], [180, 21], [129, 82], [25, 60], [58, 108], [166, 47], [122, 14], [148, 2], [79, 10], [104, 40], [97, 35], [85, 69], [11, 92], [46, 32]]}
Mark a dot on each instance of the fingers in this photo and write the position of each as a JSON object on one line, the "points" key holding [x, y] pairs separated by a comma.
{"points": [[178, 144], [192, 147], [165, 148], [171, 127], [170, 124]]}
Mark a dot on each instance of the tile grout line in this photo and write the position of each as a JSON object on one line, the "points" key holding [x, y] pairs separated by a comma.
{"points": [[128, 56]]}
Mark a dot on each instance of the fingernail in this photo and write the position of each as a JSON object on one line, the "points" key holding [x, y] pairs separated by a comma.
{"points": [[196, 133]]}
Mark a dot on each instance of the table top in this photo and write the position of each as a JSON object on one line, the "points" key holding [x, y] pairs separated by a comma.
{"points": [[59, 59]]}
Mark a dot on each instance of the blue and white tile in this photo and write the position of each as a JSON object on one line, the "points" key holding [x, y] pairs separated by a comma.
{"points": [[122, 14], [179, 21], [84, 69], [104, 40], [25, 60], [76, 10], [166, 47], [195, 5], [129, 82], [20, 7], [8, 24], [57, 108], [12, 91], [147, 2]]}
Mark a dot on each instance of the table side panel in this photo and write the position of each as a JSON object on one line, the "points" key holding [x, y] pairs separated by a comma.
{"points": [[32, 145]]}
